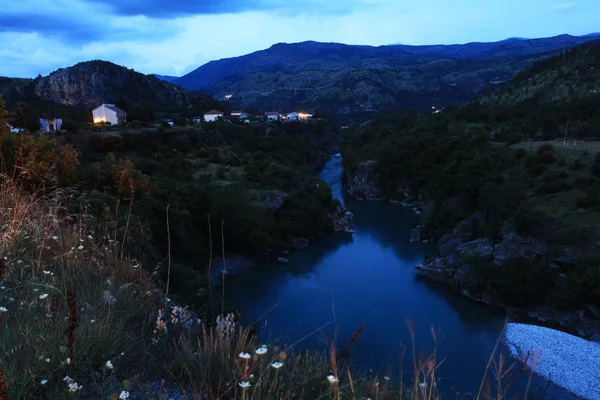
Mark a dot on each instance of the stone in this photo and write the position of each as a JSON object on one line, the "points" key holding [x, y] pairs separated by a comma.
{"points": [[450, 245], [482, 248], [439, 275]]}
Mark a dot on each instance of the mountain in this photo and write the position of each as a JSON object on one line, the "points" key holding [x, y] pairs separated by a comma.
{"points": [[345, 79], [88, 84], [166, 78]]}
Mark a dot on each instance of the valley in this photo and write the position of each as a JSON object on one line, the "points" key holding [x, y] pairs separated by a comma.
{"points": [[331, 243]]}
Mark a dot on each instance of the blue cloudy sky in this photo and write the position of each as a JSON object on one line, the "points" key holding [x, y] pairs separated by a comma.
{"points": [[172, 37]]}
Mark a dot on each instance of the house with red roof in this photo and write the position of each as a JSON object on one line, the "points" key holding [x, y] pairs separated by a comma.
{"points": [[272, 115], [213, 115]]}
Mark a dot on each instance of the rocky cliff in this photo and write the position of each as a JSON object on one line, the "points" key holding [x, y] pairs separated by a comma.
{"points": [[91, 83], [462, 254]]}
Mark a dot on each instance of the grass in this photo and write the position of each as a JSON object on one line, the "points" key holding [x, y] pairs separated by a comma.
{"points": [[570, 149], [78, 312]]}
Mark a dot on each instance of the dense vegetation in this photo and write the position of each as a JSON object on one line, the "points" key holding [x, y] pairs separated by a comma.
{"points": [[85, 319], [478, 158]]}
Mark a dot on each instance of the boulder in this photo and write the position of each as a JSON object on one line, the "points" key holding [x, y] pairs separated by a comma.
{"points": [[450, 245], [465, 276], [436, 274], [343, 220], [483, 248]]}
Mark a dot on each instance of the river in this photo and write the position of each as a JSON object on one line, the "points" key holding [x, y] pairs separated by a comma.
{"points": [[369, 276]]}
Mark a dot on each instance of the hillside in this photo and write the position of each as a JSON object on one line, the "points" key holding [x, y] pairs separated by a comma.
{"points": [[88, 84], [166, 78], [345, 79], [516, 221]]}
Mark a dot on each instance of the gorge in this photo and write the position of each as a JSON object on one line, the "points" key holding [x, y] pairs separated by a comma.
{"points": [[369, 276]]}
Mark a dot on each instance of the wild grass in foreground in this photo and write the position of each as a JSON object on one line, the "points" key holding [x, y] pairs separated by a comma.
{"points": [[78, 319]]}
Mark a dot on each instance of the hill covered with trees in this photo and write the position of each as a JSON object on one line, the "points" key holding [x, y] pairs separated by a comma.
{"points": [[517, 221]]}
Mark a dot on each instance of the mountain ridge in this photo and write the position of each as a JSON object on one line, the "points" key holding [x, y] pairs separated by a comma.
{"points": [[349, 79]]}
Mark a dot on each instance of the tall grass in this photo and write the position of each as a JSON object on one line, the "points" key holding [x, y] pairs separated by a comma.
{"points": [[77, 312]]}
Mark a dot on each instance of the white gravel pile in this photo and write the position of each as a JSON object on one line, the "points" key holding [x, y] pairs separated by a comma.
{"points": [[571, 362]]}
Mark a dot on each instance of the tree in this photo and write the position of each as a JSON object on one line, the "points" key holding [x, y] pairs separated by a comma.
{"points": [[25, 117]]}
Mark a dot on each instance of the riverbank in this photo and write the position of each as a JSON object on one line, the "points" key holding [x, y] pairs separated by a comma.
{"points": [[462, 254]]}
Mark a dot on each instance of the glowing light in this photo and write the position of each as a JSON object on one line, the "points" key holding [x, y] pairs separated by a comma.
{"points": [[99, 120]]}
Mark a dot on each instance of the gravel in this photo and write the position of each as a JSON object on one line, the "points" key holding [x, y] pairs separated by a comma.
{"points": [[571, 362]]}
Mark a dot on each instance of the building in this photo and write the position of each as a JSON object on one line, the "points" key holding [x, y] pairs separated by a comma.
{"points": [[170, 122], [298, 115], [51, 124], [272, 115], [197, 120], [213, 115], [239, 114], [109, 113], [13, 129]]}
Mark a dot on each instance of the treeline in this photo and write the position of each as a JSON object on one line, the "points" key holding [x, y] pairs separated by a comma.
{"points": [[251, 185]]}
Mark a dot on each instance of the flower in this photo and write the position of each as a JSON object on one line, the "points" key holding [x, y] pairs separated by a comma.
{"points": [[46, 272], [245, 384], [251, 376], [422, 384], [55, 237], [277, 365], [43, 296], [3, 309], [244, 355], [332, 379], [68, 379], [92, 321], [124, 395], [80, 247], [68, 361], [47, 360], [73, 387], [135, 265], [108, 365], [261, 350], [44, 381], [387, 378]]}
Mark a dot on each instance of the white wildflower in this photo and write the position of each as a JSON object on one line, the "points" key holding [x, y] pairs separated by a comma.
{"points": [[90, 237], [387, 378], [73, 387], [36, 290], [92, 321], [3, 309], [19, 262], [68, 379], [2, 287], [245, 384], [43, 296], [332, 379], [46, 272], [44, 381], [277, 365], [251, 376], [135, 265], [47, 360], [108, 365], [80, 247], [422, 384], [124, 395], [68, 361], [261, 350], [55, 237], [244, 355]]}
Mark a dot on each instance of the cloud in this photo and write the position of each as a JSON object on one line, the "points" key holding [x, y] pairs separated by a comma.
{"points": [[563, 7]]}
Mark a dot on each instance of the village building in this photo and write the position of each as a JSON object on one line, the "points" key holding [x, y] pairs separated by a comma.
{"points": [[197, 120], [298, 115], [109, 113], [272, 115], [170, 122], [239, 114], [213, 115], [51, 124], [13, 129]]}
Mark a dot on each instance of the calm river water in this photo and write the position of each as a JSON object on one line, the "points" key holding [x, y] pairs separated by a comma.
{"points": [[369, 276]]}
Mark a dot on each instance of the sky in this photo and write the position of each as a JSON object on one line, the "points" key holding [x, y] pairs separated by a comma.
{"points": [[173, 37]]}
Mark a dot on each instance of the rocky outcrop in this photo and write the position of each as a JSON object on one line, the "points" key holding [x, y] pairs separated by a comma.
{"points": [[363, 185], [459, 250], [342, 220]]}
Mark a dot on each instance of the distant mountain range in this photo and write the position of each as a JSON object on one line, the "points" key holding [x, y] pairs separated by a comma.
{"points": [[346, 79], [166, 78]]}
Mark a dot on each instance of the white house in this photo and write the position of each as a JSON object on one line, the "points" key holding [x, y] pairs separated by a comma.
{"points": [[298, 115], [109, 113], [272, 115], [239, 114], [170, 122], [51, 124], [213, 115]]}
